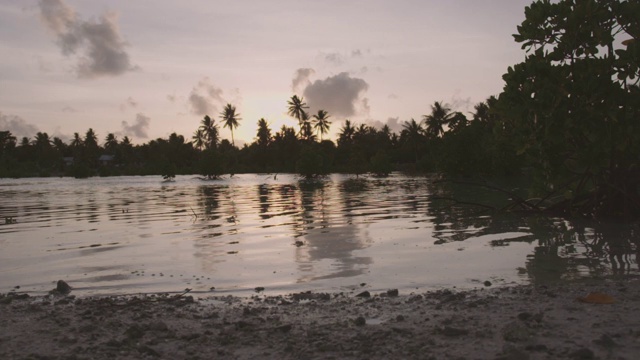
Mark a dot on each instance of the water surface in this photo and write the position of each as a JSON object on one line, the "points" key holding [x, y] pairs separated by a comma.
{"points": [[126, 235]]}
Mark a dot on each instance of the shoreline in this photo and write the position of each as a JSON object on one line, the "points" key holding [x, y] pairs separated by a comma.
{"points": [[517, 322]]}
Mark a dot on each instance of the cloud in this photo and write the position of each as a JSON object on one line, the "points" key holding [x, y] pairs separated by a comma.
{"points": [[340, 95], [59, 134], [334, 58], [339, 58], [301, 78], [99, 44], [128, 103], [139, 128], [392, 96], [43, 66], [17, 126], [393, 123], [458, 103], [205, 97], [69, 109]]}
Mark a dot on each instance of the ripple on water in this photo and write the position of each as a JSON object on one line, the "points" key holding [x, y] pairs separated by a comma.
{"points": [[136, 234]]}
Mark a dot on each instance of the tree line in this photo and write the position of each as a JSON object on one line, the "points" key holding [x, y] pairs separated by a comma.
{"points": [[433, 143]]}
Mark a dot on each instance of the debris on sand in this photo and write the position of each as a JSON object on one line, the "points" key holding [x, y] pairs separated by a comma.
{"points": [[499, 322]]}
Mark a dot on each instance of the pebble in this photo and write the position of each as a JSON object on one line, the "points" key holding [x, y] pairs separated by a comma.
{"points": [[453, 332], [582, 353], [516, 332], [62, 287], [605, 341]]}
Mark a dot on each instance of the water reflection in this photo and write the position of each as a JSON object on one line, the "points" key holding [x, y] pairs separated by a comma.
{"points": [[619, 242], [326, 236], [263, 197], [563, 249], [567, 249], [208, 248], [254, 231]]}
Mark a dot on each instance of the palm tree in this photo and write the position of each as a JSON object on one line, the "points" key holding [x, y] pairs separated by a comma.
{"points": [[230, 119], [111, 143], [321, 122], [60, 146], [440, 116], [210, 130], [199, 139], [413, 131], [264, 133], [91, 148], [481, 113], [7, 141], [385, 137], [346, 134], [42, 141], [25, 142], [297, 108], [306, 129], [90, 139], [42, 146], [458, 121], [77, 141], [125, 151], [126, 141]]}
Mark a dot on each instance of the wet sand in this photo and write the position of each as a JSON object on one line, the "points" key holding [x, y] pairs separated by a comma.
{"points": [[523, 322]]}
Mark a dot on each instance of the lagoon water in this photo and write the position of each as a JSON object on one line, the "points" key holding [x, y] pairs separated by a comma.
{"points": [[129, 235]]}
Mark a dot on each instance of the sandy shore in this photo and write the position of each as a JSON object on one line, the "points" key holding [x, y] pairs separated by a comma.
{"points": [[521, 322]]}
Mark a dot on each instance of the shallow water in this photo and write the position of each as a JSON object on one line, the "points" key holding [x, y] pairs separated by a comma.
{"points": [[126, 235]]}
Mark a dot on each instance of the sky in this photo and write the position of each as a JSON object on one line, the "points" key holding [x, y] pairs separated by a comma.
{"points": [[148, 68]]}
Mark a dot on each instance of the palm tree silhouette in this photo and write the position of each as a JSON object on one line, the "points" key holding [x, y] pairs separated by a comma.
{"points": [[440, 115], [458, 121], [199, 139], [210, 129], [346, 133], [297, 108], [90, 139], [414, 133], [110, 143], [77, 141], [230, 119], [59, 145], [264, 133], [7, 140], [42, 141], [321, 122]]}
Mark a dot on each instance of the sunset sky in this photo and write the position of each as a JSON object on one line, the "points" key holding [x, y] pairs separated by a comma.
{"points": [[147, 68]]}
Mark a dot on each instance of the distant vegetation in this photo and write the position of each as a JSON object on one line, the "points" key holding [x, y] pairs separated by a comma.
{"points": [[443, 140], [568, 118]]}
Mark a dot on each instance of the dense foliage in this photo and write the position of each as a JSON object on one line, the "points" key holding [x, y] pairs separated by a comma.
{"points": [[573, 106]]}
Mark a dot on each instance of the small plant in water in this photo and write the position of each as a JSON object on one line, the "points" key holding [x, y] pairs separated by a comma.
{"points": [[169, 172]]}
